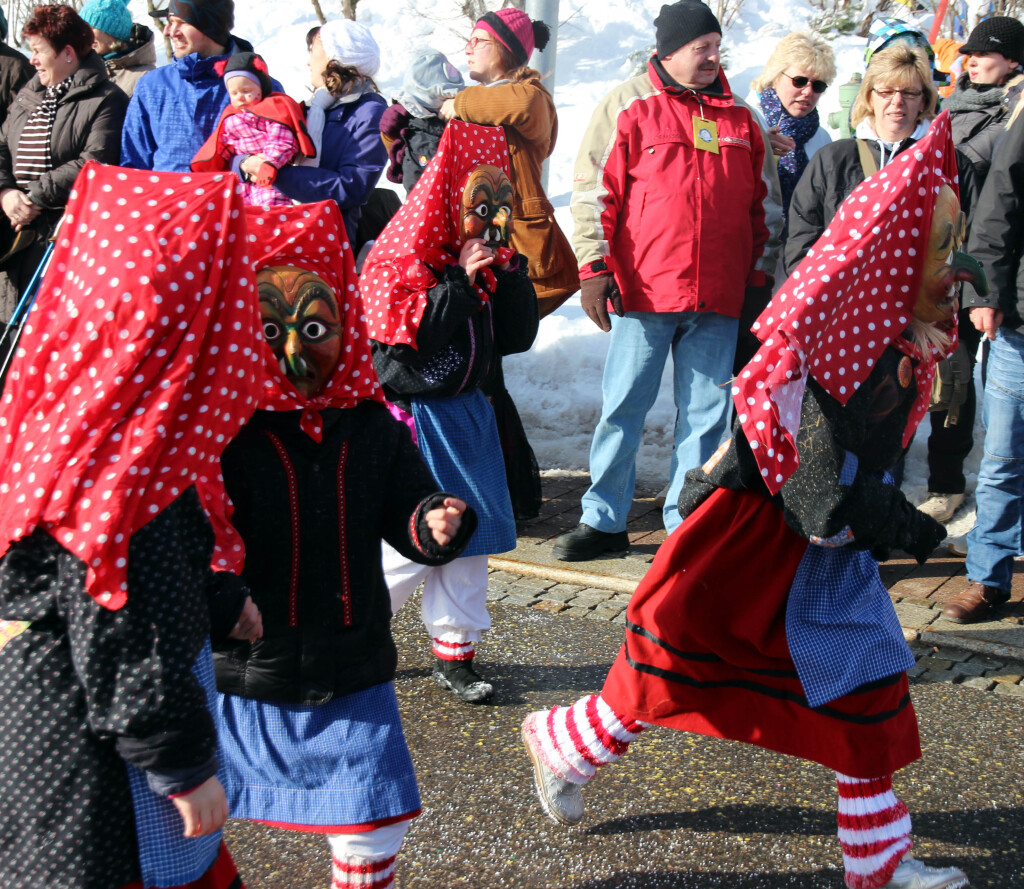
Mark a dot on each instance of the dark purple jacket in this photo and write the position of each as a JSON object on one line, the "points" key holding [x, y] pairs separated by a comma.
{"points": [[353, 157]]}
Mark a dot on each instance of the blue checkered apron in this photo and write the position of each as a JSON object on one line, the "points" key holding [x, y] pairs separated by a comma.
{"points": [[166, 857], [458, 438], [339, 764]]}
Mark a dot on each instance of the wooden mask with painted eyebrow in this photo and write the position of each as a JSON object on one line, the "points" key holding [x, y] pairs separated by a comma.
{"points": [[487, 207], [302, 325]]}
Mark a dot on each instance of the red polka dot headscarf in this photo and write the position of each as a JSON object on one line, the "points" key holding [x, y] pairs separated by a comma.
{"points": [[137, 365], [851, 297], [424, 235], [312, 237]]}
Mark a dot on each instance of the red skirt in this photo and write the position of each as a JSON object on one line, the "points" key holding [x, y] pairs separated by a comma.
{"points": [[706, 649]]}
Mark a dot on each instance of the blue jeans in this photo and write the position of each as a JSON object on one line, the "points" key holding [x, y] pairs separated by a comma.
{"points": [[702, 346], [996, 537]]}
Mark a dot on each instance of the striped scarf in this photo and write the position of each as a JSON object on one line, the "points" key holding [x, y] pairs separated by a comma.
{"points": [[33, 156]]}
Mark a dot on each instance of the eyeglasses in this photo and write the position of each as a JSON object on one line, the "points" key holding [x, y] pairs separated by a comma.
{"points": [[819, 86], [473, 42], [888, 95]]}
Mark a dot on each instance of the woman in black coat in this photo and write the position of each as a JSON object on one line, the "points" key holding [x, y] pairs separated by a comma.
{"points": [[68, 113]]}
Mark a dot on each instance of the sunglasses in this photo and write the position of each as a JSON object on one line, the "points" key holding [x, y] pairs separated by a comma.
{"points": [[473, 42], [819, 86]]}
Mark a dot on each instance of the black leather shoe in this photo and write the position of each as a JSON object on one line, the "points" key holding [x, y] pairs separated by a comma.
{"points": [[586, 543]]}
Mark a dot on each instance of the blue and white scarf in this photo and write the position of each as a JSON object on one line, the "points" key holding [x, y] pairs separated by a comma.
{"points": [[800, 130]]}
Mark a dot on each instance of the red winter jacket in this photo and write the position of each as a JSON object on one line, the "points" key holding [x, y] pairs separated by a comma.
{"points": [[681, 228]]}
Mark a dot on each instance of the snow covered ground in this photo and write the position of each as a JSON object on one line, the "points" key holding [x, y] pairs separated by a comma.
{"points": [[557, 385]]}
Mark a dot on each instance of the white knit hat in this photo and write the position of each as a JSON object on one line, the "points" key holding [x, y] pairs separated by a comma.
{"points": [[351, 44]]}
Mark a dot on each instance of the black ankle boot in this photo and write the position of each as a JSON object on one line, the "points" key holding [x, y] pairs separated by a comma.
{"points": [[463, 680]]}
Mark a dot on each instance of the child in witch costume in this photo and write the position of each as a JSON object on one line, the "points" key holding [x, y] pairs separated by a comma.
{"points": [[132, 373], [445, 297], [307, 714], [745, 648], [257, 134]]}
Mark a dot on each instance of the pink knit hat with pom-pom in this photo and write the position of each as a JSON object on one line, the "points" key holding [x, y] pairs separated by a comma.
{"points": [[514, 30]]}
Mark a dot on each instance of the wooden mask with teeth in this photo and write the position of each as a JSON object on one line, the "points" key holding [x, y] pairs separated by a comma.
{"points": [[487, 207]]}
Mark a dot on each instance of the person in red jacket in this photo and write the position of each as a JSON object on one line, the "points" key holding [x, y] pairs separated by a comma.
{"points": [[669, 205]]}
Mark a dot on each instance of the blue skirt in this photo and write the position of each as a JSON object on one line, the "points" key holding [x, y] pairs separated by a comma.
{"points": [[341, 767], [458, 438]]}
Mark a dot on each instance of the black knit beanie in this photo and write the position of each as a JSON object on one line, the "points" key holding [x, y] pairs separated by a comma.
{"points": [[251, 64], [679, 23], [1000, 34], [215, 18]]}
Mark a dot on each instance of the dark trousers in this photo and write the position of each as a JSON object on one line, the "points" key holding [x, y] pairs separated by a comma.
{"points": [[948, 446]]}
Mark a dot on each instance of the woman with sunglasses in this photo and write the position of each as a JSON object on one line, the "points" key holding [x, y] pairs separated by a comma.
{"points": [[785, 95]]}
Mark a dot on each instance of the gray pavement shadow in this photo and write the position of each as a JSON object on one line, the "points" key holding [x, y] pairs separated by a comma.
{"points": [[743, 819], [704, 879], [985, 828], [516, 684]]}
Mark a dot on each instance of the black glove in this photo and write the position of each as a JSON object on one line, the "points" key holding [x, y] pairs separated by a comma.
{"points": [[595, 294], [922, 536]]}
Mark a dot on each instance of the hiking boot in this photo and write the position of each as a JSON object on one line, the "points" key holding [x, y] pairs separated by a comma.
{"points": [[586, 543], [463, 680], [561, 800], [941, 506], [975, 603], [914, 874]]}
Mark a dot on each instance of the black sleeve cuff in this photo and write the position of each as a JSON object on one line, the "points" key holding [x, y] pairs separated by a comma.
{"points": [[423, 539]]}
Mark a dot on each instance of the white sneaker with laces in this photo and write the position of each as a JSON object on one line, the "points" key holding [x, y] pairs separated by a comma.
{"points": [[914, 874], [942, 506]]}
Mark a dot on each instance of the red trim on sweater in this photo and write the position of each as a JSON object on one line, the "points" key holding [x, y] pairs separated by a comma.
{"points": [[346, 587], [293, 506]]}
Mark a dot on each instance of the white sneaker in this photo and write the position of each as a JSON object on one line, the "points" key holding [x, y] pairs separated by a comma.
{"points": [[941, 506], [914, 874], [957, 547], [661, 496]]}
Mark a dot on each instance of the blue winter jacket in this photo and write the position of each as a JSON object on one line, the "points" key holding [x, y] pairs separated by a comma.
{"points": [[173, 110], [353, 157]]}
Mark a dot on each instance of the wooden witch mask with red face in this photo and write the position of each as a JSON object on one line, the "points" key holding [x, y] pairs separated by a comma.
{"points": [[301, 324], [487, 207]]}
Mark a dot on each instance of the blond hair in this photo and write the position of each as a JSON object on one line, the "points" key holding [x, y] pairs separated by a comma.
{"points": [[807, 52], [898, 67]]}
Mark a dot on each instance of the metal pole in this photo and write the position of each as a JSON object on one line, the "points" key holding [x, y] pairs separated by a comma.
{"points": [[545, 11]]}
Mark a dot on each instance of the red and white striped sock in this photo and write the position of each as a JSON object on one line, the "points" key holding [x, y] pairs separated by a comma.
{"points": [[454, 651], [356, 872], [576, 740], [874, 830]]}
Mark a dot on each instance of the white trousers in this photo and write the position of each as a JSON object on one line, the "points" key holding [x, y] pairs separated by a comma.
{"points": [[372, 845], [454, 605]]}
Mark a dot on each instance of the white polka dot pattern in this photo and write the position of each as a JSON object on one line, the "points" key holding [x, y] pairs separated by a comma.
{"points": [[852, 296], [136, 368], [397, 272], [312, 236]]}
